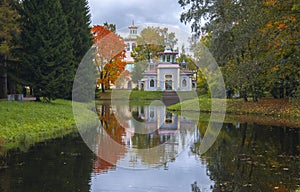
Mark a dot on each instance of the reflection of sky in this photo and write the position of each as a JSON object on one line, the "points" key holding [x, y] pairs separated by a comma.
{"points": [[181, 173]]}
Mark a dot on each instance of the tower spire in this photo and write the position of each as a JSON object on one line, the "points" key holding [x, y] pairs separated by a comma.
{"points": [[133, 30]]}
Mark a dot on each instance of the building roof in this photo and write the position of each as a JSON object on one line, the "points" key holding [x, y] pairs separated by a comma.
{"points": [[186, 72], [150, 73], [167, 53], [168, 65]]}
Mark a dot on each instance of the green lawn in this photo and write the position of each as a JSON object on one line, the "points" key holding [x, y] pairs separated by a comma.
{"points": [[25, 123], [30, 122]]}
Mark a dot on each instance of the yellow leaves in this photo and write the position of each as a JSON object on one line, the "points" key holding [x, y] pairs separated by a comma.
{"points": [[263, 31], [274, 69], [269, 24], [270, 2]]}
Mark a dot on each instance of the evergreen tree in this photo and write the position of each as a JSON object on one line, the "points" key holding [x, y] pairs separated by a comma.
{"points": [[9, 29], [78, 18], [47, 54]]}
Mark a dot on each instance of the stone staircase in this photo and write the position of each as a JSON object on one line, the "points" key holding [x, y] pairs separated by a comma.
{"points": [[170, 98]]}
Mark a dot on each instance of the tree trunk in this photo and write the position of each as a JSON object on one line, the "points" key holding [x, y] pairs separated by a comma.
{"points": [[107, 77], [12, 86], [36, 92], [255, 94], [244, 95], [4, 79], [102, 84], [103, 87]]}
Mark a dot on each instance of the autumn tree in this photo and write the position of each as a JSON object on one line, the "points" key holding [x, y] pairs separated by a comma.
{"points": [[251, 40], [151, 41], [282, 46], [9, 30], [48, 63], [109, 55]]}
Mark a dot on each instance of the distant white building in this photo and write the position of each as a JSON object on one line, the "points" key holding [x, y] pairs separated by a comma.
{"points": [[167, 74], [130, 42]]}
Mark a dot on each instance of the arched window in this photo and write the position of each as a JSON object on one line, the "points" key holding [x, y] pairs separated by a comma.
{"points": [[168, 119], [183, 83], [152, 83], [128, 47], [133, 46]]}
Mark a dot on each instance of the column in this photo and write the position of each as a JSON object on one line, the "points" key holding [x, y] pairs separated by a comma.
{"points": [[158, 79], [178, 78]]}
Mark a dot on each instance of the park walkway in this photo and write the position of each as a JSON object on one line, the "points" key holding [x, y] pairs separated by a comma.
{"points": [[29, 98], [20, 97]]}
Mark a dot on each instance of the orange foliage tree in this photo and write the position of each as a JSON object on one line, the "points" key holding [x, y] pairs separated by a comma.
{"points": [[109, 55]]}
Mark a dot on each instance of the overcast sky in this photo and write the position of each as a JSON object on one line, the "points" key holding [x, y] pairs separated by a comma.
{"points": [[122, 12]]}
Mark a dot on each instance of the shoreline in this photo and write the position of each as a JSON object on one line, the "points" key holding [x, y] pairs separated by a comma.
{"points": [[23, 124], [264, 107]]}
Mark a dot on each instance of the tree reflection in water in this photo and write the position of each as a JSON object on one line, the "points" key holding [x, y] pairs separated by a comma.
{"points": [[252, 157], [147, 136]]}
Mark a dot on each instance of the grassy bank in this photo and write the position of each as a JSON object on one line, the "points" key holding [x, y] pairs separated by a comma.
{"points": [[133, 95], [266, 106], [24, 123]]}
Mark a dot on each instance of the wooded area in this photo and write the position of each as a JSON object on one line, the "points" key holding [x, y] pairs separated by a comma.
{"points": [[41, 45], [256, 43]]}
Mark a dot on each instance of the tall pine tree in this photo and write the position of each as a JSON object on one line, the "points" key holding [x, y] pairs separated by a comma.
{"points": [[78, 18], [47, 53]]}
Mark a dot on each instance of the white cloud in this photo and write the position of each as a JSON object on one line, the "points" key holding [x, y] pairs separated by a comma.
{"points": [[121, 12], [159, 13]]}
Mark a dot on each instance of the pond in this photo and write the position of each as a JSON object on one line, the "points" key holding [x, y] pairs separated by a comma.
{"points": [[151, 149]]}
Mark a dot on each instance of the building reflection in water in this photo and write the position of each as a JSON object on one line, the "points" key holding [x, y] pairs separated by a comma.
{"points": [[143, 136]]}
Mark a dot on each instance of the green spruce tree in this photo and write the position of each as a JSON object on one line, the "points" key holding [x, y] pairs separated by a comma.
{"points": [[47, 55], [78, 18]]}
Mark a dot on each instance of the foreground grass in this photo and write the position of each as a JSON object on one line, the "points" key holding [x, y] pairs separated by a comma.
{"points": [[266, 106], [29, 122]]}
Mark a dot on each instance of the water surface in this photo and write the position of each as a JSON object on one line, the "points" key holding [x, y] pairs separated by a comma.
{"points": [[245, 157]]}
